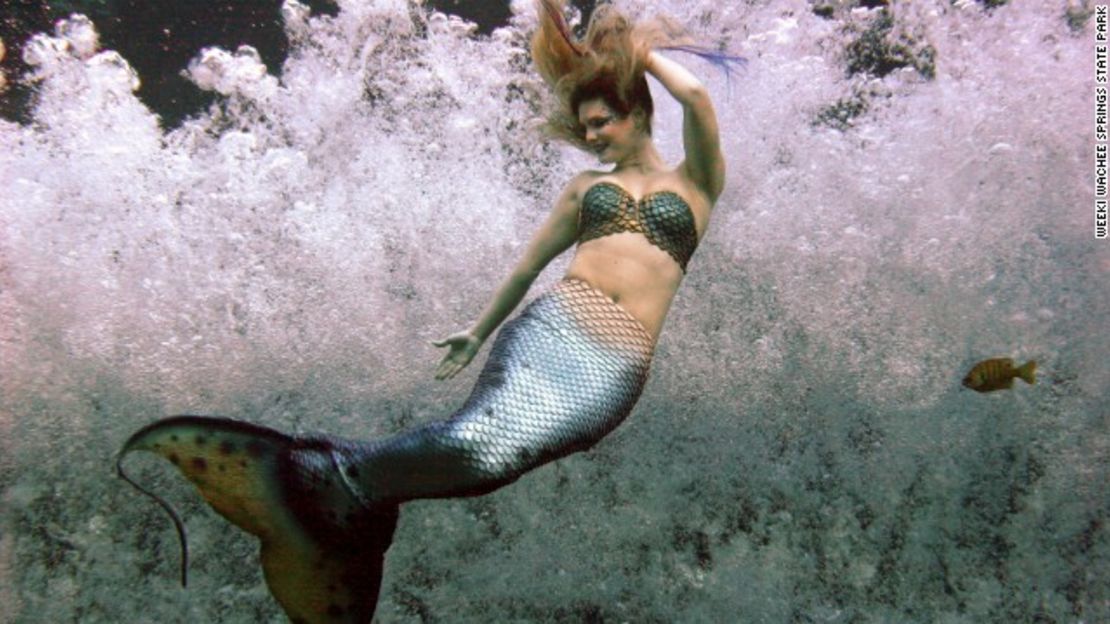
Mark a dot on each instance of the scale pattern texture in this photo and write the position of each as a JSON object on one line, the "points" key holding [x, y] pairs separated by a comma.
{"points": [[559, 377], [663, 217]]}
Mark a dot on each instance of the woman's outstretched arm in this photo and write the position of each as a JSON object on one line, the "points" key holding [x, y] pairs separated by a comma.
{"points": [[556, 234], [704, 163]]}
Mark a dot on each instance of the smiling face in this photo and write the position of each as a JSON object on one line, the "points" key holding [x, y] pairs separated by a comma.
{"points": [[609, 135]]}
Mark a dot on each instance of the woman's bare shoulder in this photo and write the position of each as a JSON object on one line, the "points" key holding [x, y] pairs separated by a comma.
{"points": [[581, 182]]}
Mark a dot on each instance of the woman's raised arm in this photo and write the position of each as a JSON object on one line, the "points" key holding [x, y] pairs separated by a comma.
{"points": [[704, 163]]}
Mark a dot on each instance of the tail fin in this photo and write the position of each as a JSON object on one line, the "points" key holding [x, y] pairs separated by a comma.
{"points": [[1028, 372], [322, 552], [234, 465], [314, 582]]}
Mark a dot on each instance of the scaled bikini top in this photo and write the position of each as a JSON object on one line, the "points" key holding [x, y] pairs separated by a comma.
{"points": [[663, 217]]}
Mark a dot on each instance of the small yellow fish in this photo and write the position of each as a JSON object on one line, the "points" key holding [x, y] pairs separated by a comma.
{"points": [[999, 374]]}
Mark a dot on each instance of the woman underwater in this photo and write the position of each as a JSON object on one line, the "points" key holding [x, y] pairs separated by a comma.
{"points": [[559, 376]]}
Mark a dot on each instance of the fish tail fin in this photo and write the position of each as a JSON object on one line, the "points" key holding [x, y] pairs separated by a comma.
{"points": [[315, 581], [234, 465], [1028, 372], [322, 547]]}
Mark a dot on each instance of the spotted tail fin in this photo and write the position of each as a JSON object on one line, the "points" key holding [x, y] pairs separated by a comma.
{"points": [[234, 465], [322, 548]]}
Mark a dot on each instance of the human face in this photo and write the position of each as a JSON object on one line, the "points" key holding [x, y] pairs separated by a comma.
{"points": [[608, 135]]}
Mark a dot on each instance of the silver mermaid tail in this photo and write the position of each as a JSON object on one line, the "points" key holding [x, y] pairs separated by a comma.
{"points": [[559, 377]]}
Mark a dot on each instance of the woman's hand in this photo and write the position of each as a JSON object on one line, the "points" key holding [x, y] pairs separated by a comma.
{"points": [[463, 347]]}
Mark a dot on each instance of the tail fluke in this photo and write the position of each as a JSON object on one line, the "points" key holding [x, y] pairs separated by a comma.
{"points": [[322, 546], [314, 582], [1028, 372], [234, 465]]}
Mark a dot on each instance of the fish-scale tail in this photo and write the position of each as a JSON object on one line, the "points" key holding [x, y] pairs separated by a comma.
{"points": [[559, 377]]}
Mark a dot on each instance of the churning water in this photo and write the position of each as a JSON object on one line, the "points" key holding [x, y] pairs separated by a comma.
{"points": [[910, 191]]}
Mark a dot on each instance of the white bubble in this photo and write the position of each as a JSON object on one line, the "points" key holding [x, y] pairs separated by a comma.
{"points": [[44, 52], [79, 35], [295, 16], [241, 73], [113, 72]]}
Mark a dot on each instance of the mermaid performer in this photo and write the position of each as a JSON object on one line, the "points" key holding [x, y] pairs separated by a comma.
{"points": [[559, 377]]}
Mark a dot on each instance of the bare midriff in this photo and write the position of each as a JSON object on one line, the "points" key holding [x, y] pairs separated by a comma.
{"points": [[636, 275]]}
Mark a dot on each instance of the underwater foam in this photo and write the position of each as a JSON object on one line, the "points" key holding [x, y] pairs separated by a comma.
{"points": [[803, 450]]}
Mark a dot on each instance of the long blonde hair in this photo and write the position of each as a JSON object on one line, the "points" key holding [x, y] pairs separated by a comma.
{"points": [[608, 62]]}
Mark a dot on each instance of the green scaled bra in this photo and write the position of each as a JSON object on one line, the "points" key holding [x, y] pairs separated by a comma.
{"points": [[663, 217]]}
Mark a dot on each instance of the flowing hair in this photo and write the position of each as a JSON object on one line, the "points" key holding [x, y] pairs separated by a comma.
{"points": [[608, 63]]}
